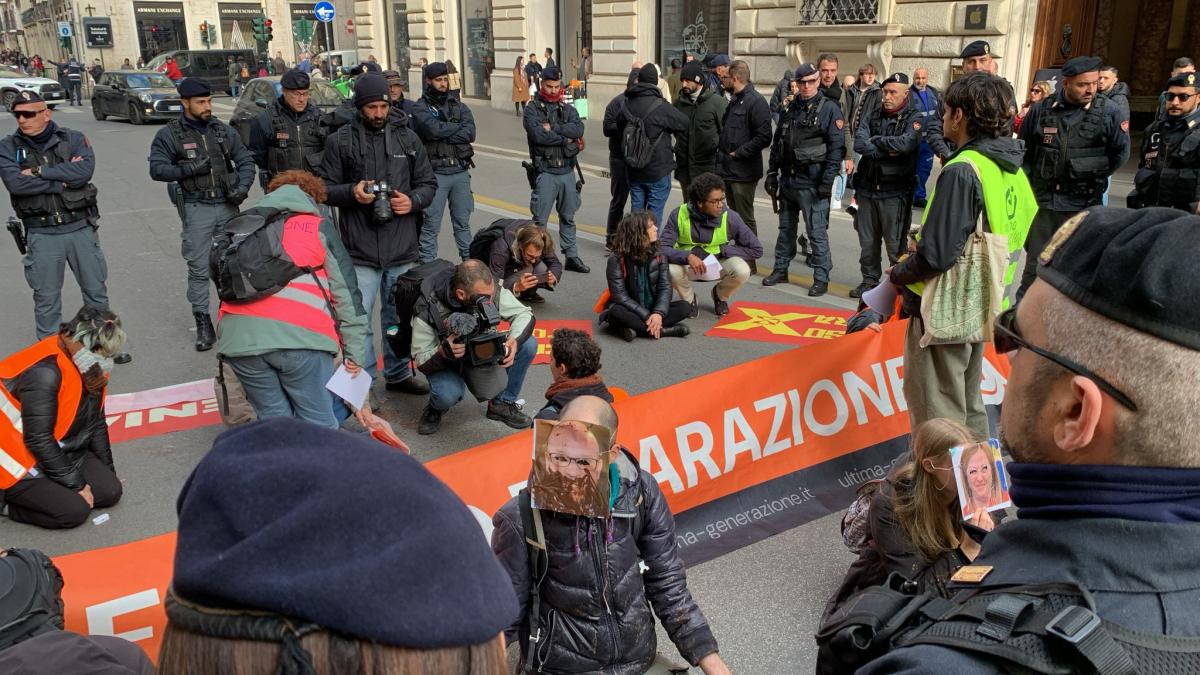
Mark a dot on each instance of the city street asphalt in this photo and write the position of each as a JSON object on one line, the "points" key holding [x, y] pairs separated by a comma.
{"points": [[763, 601]]}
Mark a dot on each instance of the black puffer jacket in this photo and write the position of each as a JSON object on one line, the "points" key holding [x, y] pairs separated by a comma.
{"points": [[595, 602], [660, 126], [627, 291], [37, 390]]}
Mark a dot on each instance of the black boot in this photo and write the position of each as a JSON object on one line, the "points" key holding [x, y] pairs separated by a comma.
{"points": [[818, 289], [206, 335], [431, 419], [575, 264], [509, 413], [776, 277], [678, 330]]}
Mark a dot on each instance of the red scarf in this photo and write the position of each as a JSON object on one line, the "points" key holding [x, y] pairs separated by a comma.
{"points": [[569, 384], [552, 98]]}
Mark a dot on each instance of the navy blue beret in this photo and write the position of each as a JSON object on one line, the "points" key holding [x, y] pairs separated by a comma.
{"points": [[190, 87], [28, 96], [1180, 80], [294, 79], [720, 60], [1136, 267], [805, 70], [1080, 65], [338, 530], [896, 78], [976, 48], [552, 73], [436, 69]]}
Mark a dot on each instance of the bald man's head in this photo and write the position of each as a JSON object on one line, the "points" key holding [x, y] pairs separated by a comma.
{"points": [[593, 410]]}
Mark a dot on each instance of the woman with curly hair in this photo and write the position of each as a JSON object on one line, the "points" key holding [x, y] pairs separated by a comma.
{"points": [[981, 184], [639, 284]]}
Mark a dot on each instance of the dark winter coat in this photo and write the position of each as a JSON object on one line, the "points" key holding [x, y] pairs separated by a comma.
{"points": [[595, 601], [502, 262], [1119, 94], [37, 390], [660, 124], [696, 145], [745, 132], [626, 291]]}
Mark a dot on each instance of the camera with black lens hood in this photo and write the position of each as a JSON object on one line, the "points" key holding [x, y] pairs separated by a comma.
{"points": [[478, 332], [381, 208]]}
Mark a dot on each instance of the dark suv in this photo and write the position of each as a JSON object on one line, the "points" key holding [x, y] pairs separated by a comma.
{"points": [[138, 95]]}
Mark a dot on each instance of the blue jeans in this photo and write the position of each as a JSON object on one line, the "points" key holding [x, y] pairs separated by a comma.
{"points": [[374, 283], [288, 383], [455, 187], [448, 386], [924, 166], [651, 197]]}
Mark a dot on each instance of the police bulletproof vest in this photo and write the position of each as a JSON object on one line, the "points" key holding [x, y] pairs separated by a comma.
{"points": [[554, 156], [213, 144], [49, 210], [887, 172], [443, 154], [1071, 159], [294, 143], [1177, 162], [803, 137], [399, 144]]}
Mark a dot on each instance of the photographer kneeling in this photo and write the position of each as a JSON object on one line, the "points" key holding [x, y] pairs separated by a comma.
{"points": [[456, 344]]}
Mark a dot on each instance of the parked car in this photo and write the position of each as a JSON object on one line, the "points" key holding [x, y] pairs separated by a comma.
{"points": [[261, 91], [137, 95], [209, 64], [13, 83]]}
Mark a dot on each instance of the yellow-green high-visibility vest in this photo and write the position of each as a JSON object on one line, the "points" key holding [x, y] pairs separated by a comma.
{"points": [[685, 243], [1009, 204]]}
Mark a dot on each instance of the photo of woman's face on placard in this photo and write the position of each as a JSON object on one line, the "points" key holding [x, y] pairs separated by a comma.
{"points": [[570, 468], [982, 483]]}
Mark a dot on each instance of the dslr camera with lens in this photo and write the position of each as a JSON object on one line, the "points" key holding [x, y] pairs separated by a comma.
{"points": [[478, 332], [381, 208]]}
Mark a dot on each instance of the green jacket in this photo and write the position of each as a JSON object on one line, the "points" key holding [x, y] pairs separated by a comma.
{"points": [[696, 147], [239, 335]]}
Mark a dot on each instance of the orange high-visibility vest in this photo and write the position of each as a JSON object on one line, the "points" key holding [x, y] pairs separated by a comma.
{"points": [[15, 458]]}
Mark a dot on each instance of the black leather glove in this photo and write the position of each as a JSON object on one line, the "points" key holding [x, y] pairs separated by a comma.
{"points": [[236, 196], [771, 184], [1134, 200], [825, 190], [196, 167]]}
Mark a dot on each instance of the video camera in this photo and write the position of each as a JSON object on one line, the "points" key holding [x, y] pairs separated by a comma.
{"points": [[381, 208], [478, 332]]}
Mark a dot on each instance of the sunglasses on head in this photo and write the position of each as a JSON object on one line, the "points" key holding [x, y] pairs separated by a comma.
{"points": [[28, 114], [1006, 338]]}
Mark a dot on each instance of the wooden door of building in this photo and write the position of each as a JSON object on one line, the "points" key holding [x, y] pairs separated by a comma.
{"points": [[1064, 30]]}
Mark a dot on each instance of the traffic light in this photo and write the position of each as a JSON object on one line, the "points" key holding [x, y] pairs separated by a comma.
{"points": [[204, 39], [270, 31], [258, 25]]}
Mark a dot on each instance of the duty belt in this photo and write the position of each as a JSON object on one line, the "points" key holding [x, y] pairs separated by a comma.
{"points": [[556, 163], [203, 195], [60, 218], [445, 161]]}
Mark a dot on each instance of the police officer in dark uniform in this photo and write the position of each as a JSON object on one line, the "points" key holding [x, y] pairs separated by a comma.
{"points": [[210, 173], [71, 76], [48, 172], [288, 134], [888, 139], [555, 135], [448, 128], [808, 149], [1074, 140], [1169, 171]]}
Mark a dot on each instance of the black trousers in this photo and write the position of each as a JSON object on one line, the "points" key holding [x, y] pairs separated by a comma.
{"points": [[739, 195], [1041, 231], [618, 185], [43, 502], [621, 317]]}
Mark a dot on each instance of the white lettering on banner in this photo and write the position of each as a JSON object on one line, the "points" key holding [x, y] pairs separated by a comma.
{"points": [[186, 410], [735, 422], [893, 366], [994, 384], [100, 616], [516, 487], [136, 418], [843, 412], [779, 403], [702, 454], [857, 387], [651, 453]]}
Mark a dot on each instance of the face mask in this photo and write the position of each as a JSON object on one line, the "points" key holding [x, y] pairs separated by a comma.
{"points": [[85, 359]]}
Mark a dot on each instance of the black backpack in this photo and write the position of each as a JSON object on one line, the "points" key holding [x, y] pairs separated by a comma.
{"points": [[1049, 628], [481, 243], [636, 144], [34, 605], [247, 261], [418, 282]]}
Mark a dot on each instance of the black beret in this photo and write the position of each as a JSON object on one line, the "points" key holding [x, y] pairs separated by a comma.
{"points": [[368, 88], [1080, 65], [190, 87], [294, 79], [648, 74], [720, 60], [338, 530], [1180, 80], [805, 70], [976, 48], [436, 69], [1136, 267], [552, 73], [26, 96], [693, 71], [895, 78]]}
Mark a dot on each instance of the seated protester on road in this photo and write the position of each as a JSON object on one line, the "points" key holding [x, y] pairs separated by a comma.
{"points": [[639, 284], [704, 226], [32, 639], [54, 426], [575, 371], [410, 586], [915, 528], [283, 347], [613, 611], [1099, 418], [524, 258], [439, 346], [942, 380]]}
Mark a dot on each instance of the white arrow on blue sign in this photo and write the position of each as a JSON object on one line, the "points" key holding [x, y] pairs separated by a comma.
{"points": [[64, 29], [324, 11]]}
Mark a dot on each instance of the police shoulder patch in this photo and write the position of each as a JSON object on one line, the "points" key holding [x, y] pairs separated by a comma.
{"points": [[1064, 233]]}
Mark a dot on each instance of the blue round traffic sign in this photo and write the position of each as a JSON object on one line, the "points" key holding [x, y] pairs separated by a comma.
{"points": [[324, 11]]}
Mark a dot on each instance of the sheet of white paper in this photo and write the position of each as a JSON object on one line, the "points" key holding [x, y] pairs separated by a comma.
{"points": [[353, 390], [712, 270], [882, 298]]}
